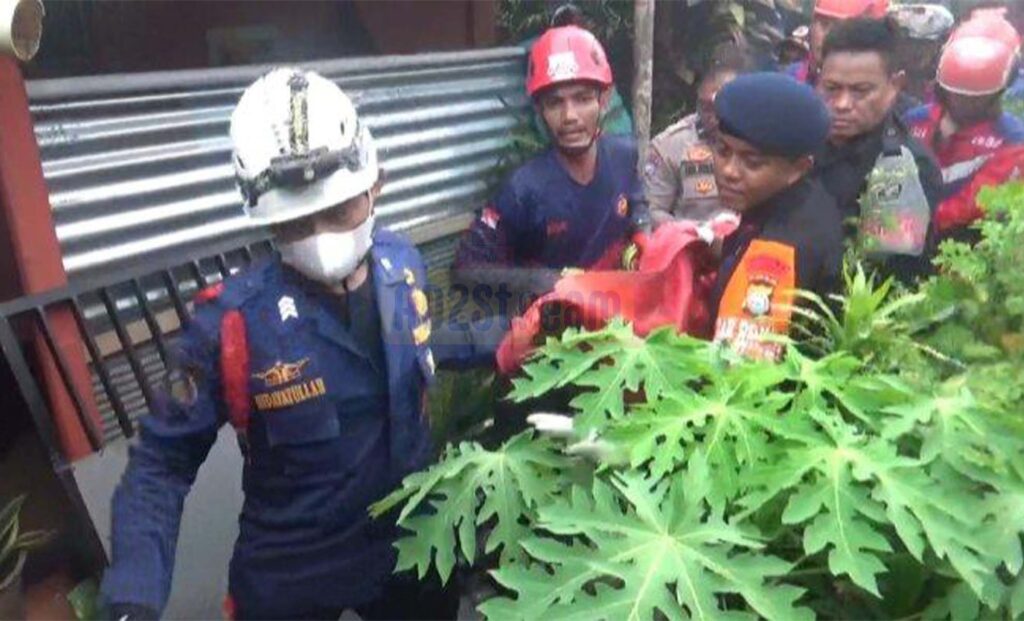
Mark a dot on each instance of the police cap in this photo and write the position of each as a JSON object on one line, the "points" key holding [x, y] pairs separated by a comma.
{"points": [[774, 113]]}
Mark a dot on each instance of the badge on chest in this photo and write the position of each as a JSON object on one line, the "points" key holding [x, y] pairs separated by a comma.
{"points": [[758, 301], [287, 386]]}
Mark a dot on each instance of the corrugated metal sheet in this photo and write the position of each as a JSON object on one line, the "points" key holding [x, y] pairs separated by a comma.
{"points": [[138, 164]]}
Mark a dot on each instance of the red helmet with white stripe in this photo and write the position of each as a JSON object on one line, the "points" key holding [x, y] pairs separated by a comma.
{"points": [[567, 54], [848, 9], [976, 66], [989, 25]]}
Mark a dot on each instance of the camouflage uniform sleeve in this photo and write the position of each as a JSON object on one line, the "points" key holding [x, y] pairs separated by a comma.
{"points": [[173, 442], [661, 183]]}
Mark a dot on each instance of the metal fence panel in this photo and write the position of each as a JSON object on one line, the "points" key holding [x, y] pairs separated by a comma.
{"points": [[138, 165]]}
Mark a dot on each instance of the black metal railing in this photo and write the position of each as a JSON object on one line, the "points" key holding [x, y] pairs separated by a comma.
{"points": [[127, 322]]}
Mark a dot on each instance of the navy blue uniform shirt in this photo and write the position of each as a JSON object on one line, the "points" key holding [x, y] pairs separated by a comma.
{"points": [[543, 218], [333, 426]]}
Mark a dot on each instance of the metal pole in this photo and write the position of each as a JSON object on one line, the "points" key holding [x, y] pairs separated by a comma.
{"points": [[643, 57]]}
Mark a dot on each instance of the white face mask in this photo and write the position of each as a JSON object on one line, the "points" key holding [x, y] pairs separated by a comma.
{"points": [[329, 258]]}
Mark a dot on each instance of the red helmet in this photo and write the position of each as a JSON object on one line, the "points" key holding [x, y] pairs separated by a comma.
{"points": [[975, 66], [847, 9], [566, 54], [989, 25]]}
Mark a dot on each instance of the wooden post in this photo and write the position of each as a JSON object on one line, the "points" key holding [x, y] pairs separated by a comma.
{"points": [[643, 62]]}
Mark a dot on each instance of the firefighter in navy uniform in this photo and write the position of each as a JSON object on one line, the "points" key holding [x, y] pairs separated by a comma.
{"points": [[577, 204], [790, 235], [319, 359]]}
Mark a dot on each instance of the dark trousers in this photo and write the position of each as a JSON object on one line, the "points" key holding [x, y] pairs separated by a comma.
{"points": [[404, 598]]}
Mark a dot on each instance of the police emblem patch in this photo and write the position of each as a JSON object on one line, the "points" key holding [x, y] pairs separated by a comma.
{"points": [[758, 301], [705, 186]]}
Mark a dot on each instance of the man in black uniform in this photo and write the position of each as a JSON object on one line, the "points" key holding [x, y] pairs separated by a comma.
{"points": [[790, 236], [861, 86]]}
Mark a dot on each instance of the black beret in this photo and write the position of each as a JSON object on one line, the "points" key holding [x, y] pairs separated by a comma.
{"points": [[774, 113]]}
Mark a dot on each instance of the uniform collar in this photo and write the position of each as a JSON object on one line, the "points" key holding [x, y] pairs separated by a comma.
{"points": [[314, 305], [782, 202], [702, 130], [865, 147]]}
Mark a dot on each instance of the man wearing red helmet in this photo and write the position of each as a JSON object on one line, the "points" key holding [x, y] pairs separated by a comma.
{"points": [[967, 128], [826, 14], [574, 205]]}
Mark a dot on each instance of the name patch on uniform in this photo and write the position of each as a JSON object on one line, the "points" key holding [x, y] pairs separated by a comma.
{"points": [[758, 300], [292, 395]]}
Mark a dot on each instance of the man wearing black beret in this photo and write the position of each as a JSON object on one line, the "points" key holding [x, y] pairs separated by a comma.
{"points": [[790, 236]]}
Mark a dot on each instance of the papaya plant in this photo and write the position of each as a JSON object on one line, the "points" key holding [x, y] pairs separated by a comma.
{"points": [[849, 480]]}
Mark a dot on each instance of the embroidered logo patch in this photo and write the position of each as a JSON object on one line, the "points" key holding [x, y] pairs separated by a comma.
{"points": [[421, 334], [419, 301], [757, 301], [282, 373], [622, 207]]}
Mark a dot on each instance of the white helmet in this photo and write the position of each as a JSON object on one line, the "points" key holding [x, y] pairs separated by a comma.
{"points": [[298, 147]]}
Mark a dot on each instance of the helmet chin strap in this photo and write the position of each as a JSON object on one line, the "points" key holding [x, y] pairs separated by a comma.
{"points": [[577, 151]]}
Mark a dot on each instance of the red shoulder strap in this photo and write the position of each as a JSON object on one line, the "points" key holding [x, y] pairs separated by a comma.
{"points": [[209, 293], [234, 369]]}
